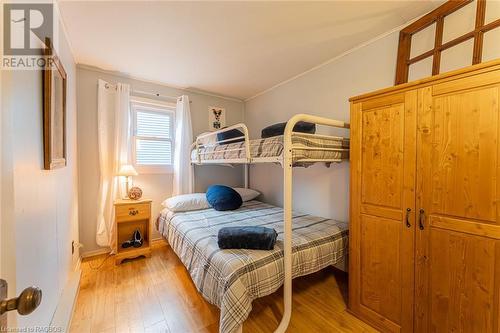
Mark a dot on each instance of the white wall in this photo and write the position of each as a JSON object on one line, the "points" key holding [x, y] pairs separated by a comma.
{"points": [[39, 207], [156, 187], [325, 92], [8, 225]]}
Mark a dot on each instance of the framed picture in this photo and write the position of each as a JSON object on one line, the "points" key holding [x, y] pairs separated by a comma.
{"points": [[54, 110], [216, 118]]}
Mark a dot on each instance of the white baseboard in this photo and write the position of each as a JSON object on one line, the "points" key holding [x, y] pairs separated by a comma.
{"points": [[64, 311], [104, 250]]}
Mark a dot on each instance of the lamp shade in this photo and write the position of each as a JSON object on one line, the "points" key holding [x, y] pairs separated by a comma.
{"points": [[127, 170]]}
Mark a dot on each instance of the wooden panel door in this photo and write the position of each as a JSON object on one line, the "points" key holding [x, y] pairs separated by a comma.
{"points": [[457, 274], [383, 151]]}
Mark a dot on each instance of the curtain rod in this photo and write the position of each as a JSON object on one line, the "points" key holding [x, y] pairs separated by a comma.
{"points": [[141, 92]]}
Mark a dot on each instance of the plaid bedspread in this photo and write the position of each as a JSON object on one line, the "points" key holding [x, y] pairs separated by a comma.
{"points": [[232, 279], [273, 146]]}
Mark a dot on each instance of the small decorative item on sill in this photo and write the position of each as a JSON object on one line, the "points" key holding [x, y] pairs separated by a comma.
{"points": [[135, 193]]}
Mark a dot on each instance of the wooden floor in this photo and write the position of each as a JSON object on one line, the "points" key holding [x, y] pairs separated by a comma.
{"points": [[157, 295]]}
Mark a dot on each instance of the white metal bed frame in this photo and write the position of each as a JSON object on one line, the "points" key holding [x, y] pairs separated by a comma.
{"points": [[286, 162]]}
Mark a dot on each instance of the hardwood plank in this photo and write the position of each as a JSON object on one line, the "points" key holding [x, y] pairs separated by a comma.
{"points": [[157, 295]]}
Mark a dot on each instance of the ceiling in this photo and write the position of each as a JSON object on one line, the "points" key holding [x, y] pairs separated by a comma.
{"points": [[235, 49]]}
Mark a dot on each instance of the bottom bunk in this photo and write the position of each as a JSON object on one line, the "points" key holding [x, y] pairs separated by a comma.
{"points": [[232, 279]]}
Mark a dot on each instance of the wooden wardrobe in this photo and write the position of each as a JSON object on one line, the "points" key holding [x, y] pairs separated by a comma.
{"points": [[425, 213]]}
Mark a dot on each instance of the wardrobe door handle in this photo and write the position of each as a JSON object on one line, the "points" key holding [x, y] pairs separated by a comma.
{"points": [[421, 219], [408, 211]]}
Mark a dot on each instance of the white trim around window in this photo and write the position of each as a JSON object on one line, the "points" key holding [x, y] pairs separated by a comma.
{"points": [[158, 133]]}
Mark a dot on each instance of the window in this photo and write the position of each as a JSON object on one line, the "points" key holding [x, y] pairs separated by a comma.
{"points": [[458, 30], [152, 136]]}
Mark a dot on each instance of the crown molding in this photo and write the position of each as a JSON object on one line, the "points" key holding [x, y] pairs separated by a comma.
{"points": [[159, 83]]}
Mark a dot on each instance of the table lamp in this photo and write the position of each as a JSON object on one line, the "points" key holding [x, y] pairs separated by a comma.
{"points": [[127, 171]]}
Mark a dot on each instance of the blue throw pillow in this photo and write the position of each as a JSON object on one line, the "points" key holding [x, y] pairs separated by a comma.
{"points": [[234, 133], [222, 197]]}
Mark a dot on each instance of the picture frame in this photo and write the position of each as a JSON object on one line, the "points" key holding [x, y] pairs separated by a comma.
{"points": [[216, 118], [54, 110]]}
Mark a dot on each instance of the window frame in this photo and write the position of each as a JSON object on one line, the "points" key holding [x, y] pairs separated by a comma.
{"points": [[153, 106], [437, 16]]}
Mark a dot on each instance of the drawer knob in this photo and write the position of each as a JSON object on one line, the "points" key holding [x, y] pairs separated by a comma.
{"points": [[133, 212]]}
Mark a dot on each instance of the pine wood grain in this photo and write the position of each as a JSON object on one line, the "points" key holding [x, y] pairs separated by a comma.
{"points": [[457, 256], [132, 211], [382, 159], [382, 184], [157, 295], [131, 215], [447, 259]]}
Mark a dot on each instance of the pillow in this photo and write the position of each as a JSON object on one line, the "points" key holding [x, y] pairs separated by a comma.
{"points": [[186, 202], [279, 129], [247, 194], [222, 197], [234, 133], [209, 140]]}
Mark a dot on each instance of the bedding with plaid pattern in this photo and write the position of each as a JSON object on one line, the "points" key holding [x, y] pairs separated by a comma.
{"points": [[232, 279], [273, 146]]}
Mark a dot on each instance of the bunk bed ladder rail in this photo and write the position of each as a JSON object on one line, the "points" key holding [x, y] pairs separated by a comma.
{"points": [[287, 206]]}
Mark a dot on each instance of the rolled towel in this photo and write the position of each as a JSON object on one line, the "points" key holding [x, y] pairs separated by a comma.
{"points": [[247, 237]]}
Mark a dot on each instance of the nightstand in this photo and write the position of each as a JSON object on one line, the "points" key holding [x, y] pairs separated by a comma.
{"points": [[129, 216]]}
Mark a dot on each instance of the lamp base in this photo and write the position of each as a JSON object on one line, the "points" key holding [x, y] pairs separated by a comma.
{"points": [[127, 180]]}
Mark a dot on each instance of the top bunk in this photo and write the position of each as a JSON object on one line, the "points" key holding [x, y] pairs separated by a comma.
{"points": [[303, 148]]}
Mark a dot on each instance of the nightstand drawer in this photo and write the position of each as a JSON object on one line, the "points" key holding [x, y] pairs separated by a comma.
{"points": [[133, 212]]}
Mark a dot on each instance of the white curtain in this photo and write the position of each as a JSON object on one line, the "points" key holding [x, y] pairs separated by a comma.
{"points": [[183, 172], [113, 145]]}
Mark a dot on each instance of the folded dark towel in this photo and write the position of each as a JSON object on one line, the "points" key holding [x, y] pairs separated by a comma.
{"points": [[247, 237]]}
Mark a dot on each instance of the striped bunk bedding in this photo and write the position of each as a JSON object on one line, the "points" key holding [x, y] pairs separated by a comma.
{"points": [[273, 147], [232, 279]]}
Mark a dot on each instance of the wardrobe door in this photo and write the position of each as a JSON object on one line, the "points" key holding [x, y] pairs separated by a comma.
{"points": [[383, 134], [457, 274]]}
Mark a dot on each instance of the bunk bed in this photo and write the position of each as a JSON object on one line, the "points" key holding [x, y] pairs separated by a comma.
{"points": [[231, 279]]}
